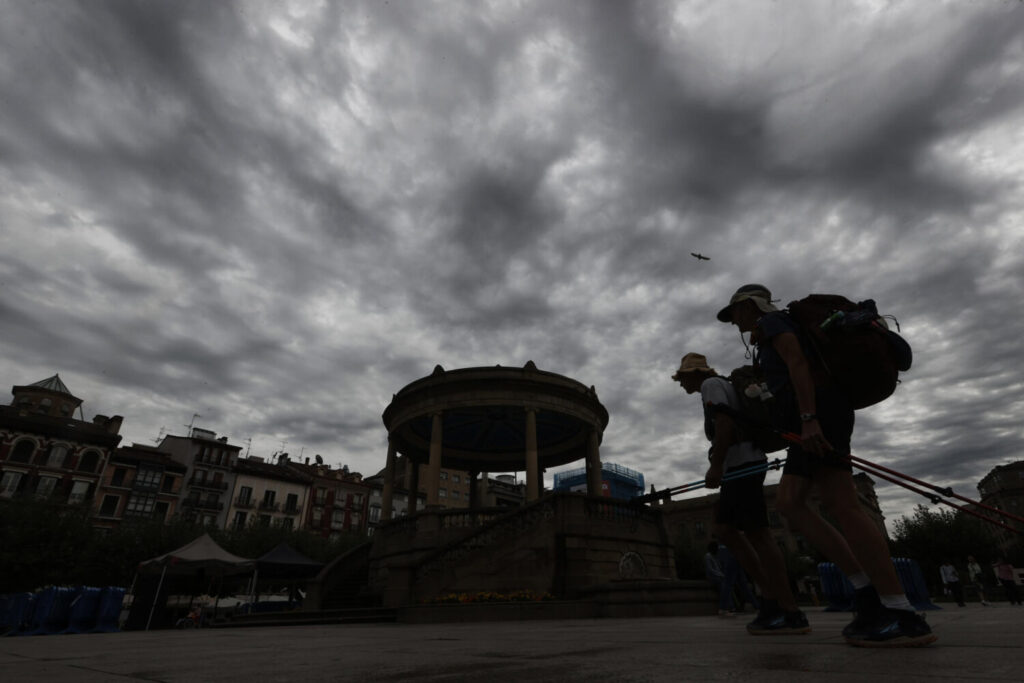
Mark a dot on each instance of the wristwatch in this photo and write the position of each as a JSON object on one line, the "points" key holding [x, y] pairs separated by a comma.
{"points": [[807, 417]]}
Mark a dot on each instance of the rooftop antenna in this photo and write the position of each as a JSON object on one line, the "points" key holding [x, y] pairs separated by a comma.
{"points": [[160, 436], [248, 445], [192, 422], [301, 451]]}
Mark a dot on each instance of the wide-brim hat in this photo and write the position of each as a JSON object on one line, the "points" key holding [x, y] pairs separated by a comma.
{"points": [[759, 294], [692, 362]]}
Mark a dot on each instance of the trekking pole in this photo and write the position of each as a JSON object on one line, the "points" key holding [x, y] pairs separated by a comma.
{"points": [[930, 496], [946, 491], [863, 464], [756, 468]]}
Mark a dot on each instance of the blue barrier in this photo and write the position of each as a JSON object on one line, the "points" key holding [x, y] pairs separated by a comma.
{"points": [[18, 611], [53, 609], [108, 616], [914, 584], [84, 609], [839, 591], [837, 588]]}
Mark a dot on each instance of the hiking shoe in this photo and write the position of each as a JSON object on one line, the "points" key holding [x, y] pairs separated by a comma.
{"points": [[866, 604], [885, 627], [779, 623]]}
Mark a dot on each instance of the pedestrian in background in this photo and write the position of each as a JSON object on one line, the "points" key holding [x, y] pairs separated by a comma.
{"points": [[951, 580], [1004, 572]]}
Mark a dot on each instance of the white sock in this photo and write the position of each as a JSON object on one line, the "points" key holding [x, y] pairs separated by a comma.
{"points": [[896, 602], [859, 580]]}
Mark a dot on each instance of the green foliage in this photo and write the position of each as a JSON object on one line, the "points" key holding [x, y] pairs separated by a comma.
{"points": [[934, 536], [43, 544]]}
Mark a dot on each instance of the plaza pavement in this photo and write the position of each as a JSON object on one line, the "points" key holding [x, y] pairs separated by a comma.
{"points": [[975, 644]]}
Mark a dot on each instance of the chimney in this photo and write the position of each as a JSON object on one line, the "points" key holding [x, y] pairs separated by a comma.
{"points": [[114, 424], [307, 461]]}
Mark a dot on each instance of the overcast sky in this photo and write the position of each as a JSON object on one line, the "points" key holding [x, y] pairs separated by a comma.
{"points": [[276, 215]]}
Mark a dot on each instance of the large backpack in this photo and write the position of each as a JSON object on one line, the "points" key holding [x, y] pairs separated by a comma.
{"points": [[755, 406], [851, 346]]}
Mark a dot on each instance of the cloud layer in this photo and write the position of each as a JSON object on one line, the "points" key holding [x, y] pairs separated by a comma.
{"points": [[276, 215]]}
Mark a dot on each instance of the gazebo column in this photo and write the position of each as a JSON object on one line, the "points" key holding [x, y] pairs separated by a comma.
{"points": [[412, 480], [389, 483], [593, 465], [434, 466], [532, 470]]}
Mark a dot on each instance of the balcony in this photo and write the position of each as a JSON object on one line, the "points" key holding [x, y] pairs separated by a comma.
{"points": [[291, 510], [244, 503], [211, 485], [268, 506], [203, 504]]}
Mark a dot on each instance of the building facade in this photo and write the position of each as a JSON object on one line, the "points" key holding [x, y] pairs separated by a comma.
{"points": [[269, 494], [209, 480], [1003, 489], [139, 481], [339, 500], [48, 453]]}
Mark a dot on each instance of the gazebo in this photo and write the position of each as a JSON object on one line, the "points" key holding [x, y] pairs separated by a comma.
{"points": [[492, 419]]}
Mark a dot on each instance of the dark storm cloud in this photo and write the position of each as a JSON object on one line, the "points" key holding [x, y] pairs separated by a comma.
{"points": [[278, 215]]}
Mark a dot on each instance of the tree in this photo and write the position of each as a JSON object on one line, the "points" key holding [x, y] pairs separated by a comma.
{"points": [[932, 537]]}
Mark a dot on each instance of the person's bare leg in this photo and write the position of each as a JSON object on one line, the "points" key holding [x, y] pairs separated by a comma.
{"points": [[792, 504], [746, 555], [773, 565], [862, 535]]}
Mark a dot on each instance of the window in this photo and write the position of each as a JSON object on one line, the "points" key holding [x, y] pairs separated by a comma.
{"points": [[117, 479], [443, 493], [317, 516], [244, 495], [374, 513], [57, 456], [321, 496], [9, 484], [455, 495], [239, 521], [286, 523], [89, 462], [264, 520], [357, 499], [160, 511], [148, 479], [268, 499], [356, 518], [140, 504], [444, 475], [338, 519], [65, 409], [23, 451], [109, 507], [78, 492], [292, 502], [168, 486], [456, 478], [45, 487], [698, 527]]}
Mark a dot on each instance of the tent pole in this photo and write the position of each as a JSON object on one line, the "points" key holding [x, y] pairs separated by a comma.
{"points": [[252, 595], [156, 597]]}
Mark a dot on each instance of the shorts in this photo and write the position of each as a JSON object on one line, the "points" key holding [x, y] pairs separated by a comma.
{"points": [[835, 415], [741, 501]]}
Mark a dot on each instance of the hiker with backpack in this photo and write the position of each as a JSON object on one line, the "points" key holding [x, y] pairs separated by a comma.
{"points": [[741, 515], [810, 400]]}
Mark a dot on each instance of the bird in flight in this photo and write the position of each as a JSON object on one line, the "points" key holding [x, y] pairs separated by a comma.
{"points": [[699, 257]]}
